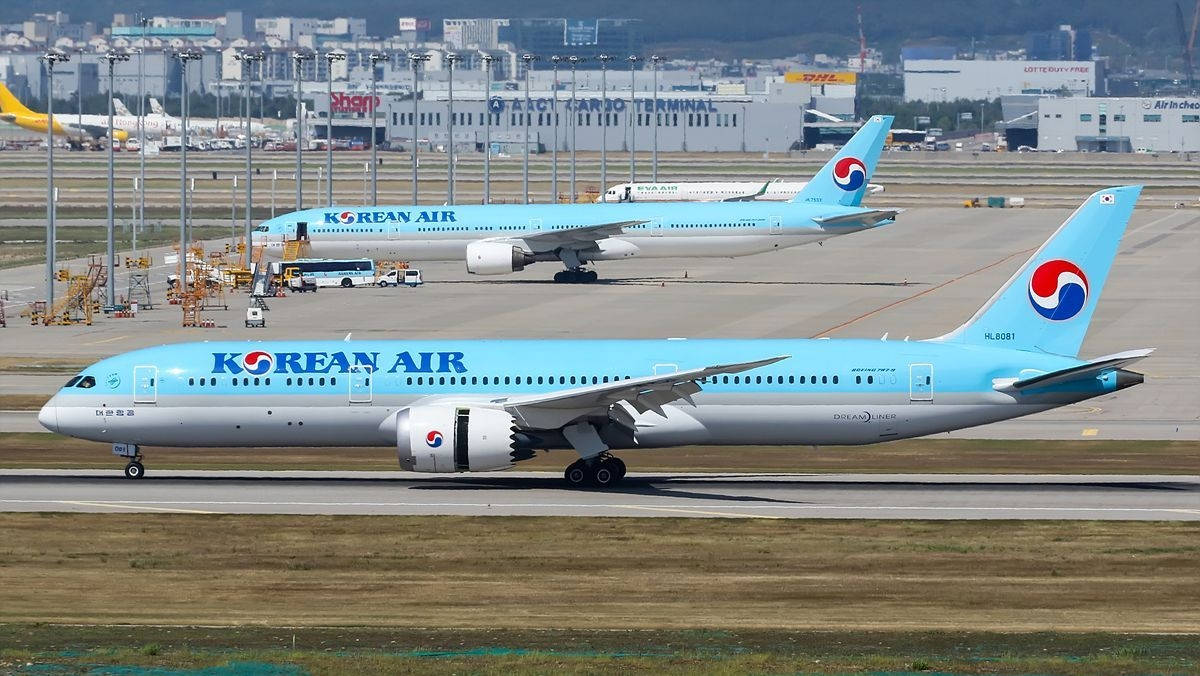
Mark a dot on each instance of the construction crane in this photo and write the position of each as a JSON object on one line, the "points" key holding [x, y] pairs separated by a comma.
{"points": [[862, 42], [1187, 40]]}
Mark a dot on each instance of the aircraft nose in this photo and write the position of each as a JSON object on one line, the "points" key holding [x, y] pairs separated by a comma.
{"points": [[48, 416]]}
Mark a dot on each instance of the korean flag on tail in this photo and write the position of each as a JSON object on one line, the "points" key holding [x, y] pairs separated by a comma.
{"points": [[1108, 198]]}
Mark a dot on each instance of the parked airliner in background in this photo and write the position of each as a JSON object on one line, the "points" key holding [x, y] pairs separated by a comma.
{"points": [[499, 239], [207, 126], [77, 128], [777, 190], [472, 405]]}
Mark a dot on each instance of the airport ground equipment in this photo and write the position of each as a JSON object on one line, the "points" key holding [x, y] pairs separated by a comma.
{"points": [[254, 318]]}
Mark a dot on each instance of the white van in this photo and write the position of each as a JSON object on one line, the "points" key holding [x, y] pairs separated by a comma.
{"points": [[409, 277]]}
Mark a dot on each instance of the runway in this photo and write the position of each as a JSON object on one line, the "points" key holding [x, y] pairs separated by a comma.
{"points": [[771, 496]]}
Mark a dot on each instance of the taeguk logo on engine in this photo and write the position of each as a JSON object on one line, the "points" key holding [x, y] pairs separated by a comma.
{"points": [[849, 174], [258, 362], [1058, 290], [433, 439]]}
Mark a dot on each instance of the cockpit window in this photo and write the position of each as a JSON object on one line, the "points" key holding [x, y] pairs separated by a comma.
{"points": [[86, 382], [71, 382]]}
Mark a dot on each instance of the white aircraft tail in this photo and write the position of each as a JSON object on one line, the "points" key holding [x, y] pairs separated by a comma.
{"points": [[119, 108], [156, 107]]}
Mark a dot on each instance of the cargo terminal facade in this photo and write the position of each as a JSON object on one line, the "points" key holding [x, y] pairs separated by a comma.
{"points": [[1119, 124], [686, 121]]}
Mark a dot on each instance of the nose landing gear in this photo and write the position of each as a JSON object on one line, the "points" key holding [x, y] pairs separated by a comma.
{"points": [[134, 469], [576, 276], [602, 471]]}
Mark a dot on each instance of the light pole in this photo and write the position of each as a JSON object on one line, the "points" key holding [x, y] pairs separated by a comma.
{"points": [[183, 57], [487, 127], [633, 118], [247, 61], [528, 59], [604, 59], [451, 59], [298, 59], [50, 58], [141, 136], [575, 61], [111, 57], [416, 60], [376, 58], [330, 57], [554, 113], [655, 59]]}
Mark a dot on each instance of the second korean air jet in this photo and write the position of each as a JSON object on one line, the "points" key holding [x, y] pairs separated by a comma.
{"points": [[499, 239]]}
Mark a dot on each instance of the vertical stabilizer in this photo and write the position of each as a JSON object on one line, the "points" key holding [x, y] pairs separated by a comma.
{"points": [[843, 180], [1047, 305]]}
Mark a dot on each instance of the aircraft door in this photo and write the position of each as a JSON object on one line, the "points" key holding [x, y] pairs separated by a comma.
{"points": [[776, 225], [361, 389], [145, 384], [656, 227], [302, 230], [628, 196], [920, 382]]}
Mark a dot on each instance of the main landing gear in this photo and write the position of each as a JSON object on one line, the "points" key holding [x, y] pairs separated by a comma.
{"points": [[134, 469], [576, 276], [602, 471]]}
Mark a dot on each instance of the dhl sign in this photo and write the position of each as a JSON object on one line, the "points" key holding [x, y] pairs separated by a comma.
{"points": [[821, 77]]}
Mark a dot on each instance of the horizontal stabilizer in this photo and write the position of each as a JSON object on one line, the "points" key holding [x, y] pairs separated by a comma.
{"points": [[1090, 369], [868, 218]]}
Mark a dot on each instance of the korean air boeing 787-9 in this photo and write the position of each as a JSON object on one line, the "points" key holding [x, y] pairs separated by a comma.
{"points": [[472, 405]]}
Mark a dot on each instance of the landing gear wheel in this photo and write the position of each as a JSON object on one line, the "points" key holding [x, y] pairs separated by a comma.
{"points": [[576, 276], [604, 474], [576, 474], [618, 466], [134, 470]]}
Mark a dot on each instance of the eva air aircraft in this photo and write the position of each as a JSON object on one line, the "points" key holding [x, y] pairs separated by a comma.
{"points": [[499, 239], [472, 405]]}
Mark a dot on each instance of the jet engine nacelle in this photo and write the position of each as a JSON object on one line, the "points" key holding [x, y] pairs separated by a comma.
{"points": [[455, 439], [495, 258]]}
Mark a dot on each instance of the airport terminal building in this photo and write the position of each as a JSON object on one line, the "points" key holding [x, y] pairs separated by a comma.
{"points": [[782, 116], [1119, 124]]}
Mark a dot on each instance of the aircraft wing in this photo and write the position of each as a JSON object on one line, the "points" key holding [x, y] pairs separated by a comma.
{"points": [[867, 218], [1091, 369], [751, 197], [570, 237], [552, 410]]}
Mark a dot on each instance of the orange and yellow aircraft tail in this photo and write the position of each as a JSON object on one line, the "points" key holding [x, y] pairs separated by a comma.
{"points": [[11, 104]]}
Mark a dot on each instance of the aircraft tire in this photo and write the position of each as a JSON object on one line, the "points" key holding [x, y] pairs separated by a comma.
{"points": [[576, 474], [604, 474], [619, 466], [134, 470], [590, 276]]}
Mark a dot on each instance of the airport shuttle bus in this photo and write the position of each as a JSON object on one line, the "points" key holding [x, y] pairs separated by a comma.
{"points": [[329, 272], [478, 405]]}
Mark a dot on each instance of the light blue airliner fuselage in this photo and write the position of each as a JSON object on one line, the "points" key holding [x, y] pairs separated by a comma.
{"points": [[344, 393]]}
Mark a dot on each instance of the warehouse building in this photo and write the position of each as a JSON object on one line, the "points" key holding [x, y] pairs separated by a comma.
{"points": [[1119, 124], [952, 79]]}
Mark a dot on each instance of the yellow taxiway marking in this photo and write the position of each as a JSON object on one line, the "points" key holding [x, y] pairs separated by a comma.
{"points": [[1089, 432], [139, 508], [698, 511], [107, 340]]}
